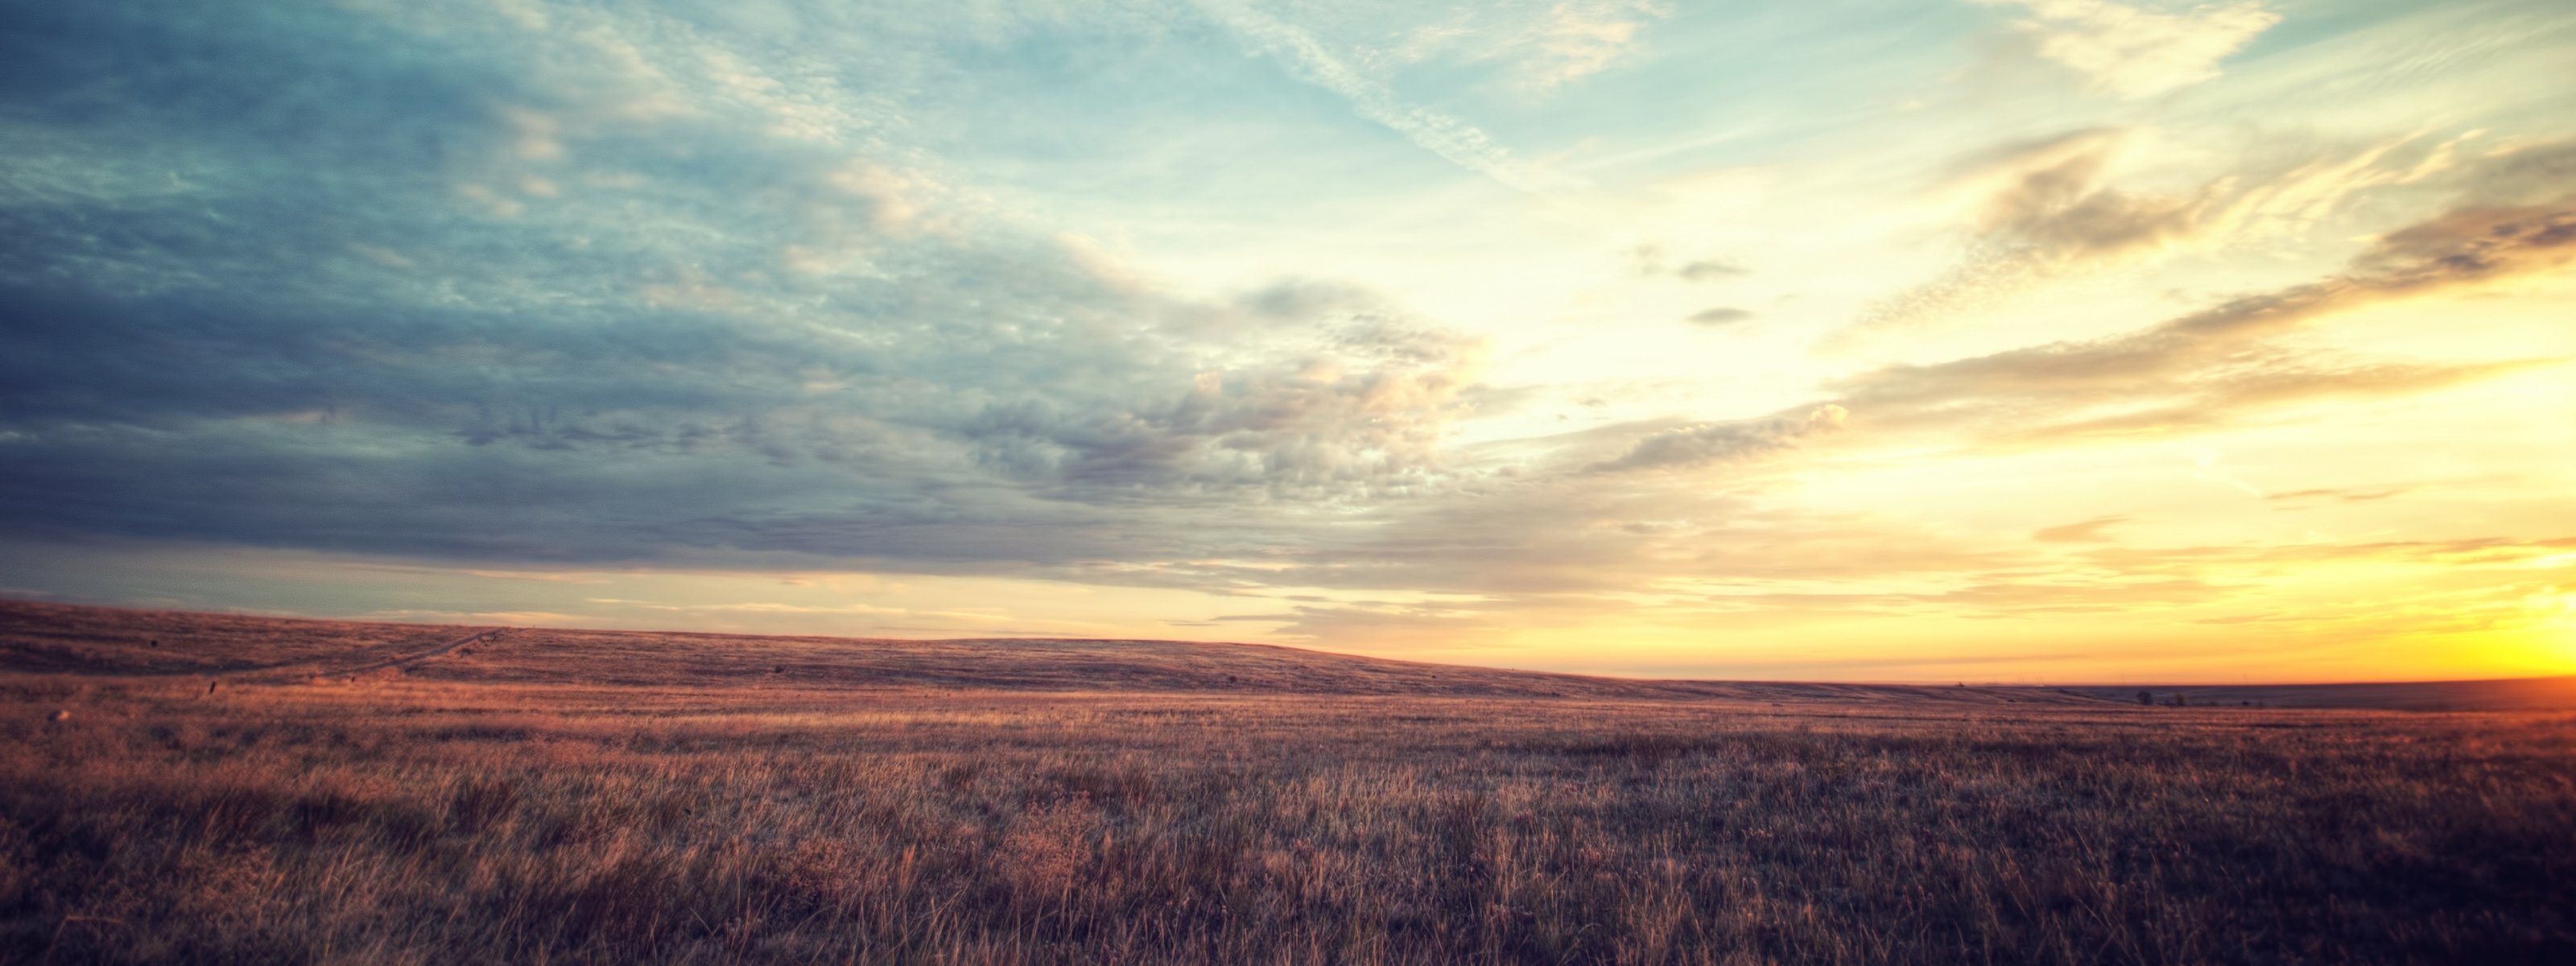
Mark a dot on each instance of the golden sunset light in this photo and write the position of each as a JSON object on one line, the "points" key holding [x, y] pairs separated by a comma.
{"points": [[1637, 386], [2060, 340]]}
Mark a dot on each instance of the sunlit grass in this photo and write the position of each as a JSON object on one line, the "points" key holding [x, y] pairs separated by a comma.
{"points": [[563, 796], [411, 822]]}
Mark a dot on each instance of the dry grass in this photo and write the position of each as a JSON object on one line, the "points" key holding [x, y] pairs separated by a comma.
{"points": [[98, 640], [104, 641], [403, 818]]}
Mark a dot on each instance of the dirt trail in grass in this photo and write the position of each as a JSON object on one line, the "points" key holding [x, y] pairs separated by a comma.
{"points": [[411, 659], [318, 668]]}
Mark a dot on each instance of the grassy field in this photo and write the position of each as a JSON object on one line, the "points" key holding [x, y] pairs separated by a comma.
{"points": [[544, 796]]}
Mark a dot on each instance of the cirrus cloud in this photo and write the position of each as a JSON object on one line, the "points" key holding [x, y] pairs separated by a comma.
{"points": [[2136, 50]]}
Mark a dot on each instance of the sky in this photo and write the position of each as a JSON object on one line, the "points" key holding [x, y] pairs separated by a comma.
{"points": [[2063, 341]]}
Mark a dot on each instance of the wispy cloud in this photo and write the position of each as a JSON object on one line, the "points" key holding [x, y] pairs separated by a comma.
{"points": [[2035, 210], [2043, 209], [1718, 442], [2204, 368], [1579, 38], [1453, 139], [2084, 531], [2138, 50]]}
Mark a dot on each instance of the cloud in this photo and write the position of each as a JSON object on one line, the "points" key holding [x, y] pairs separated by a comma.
{"points": [[665, 291], [1706, 270], [2087, 531], [2079, 596], [1539, 44], [2048, 200], [2501, 552], [1366, 413], [1381, 623], [1457, 141], [737, 324], [2342, 495], [1579, 38], [2041, 208], [2135, 50], [2532, 174], [1649, 260], [2201, 369], [1717, 442], [1304, 300], [1722, 315]]}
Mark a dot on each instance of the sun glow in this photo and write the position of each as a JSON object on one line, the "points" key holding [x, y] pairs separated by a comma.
{"points": [[1998, 340]]}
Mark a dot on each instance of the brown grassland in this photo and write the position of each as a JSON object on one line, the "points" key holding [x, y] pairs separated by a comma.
{"points": [[256, 790]]}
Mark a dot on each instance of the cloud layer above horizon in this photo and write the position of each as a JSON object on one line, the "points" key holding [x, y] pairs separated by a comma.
{"points": [[2062, 339]]}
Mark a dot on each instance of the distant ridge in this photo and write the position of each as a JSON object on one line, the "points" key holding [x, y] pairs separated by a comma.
{"points": [[2495, 694], [64, 639]]}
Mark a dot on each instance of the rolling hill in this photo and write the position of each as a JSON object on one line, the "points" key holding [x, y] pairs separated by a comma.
{"points": [[46, 638]]}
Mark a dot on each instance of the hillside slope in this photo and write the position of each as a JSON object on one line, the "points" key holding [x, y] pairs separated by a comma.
{"points": [[66, 639], [60, 639]]}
